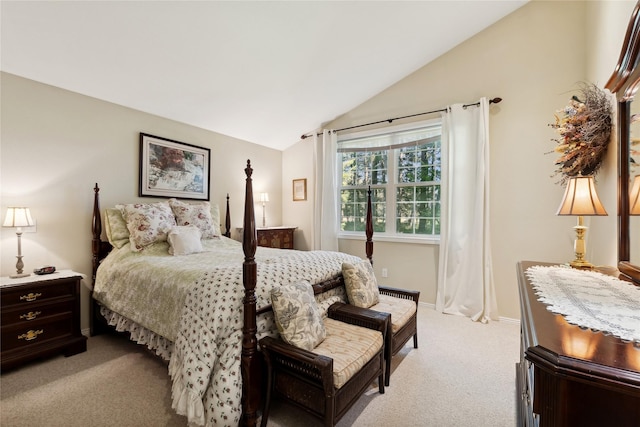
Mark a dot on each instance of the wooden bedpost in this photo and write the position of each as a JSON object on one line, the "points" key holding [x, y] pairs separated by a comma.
{"points": [[227, 220], [250, 360], [96, 231], [369, 228], [99, 250]]}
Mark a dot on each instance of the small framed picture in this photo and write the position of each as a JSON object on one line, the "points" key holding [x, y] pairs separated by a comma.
{"points": [[173, 169], [299, 189]]}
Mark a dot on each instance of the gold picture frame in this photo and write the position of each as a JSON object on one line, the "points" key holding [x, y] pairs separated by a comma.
{"points": [[299, 189]]}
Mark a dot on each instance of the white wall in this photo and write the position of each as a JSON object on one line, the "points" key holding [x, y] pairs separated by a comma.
{"points": [[57, 144], [532, 59]]}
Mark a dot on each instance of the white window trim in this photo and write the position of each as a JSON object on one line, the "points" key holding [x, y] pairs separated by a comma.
{"points": [[388, 237], [395, 238]]}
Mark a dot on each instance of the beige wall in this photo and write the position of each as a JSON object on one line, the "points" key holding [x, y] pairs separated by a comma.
{"points": [[57, 144], [605, 42], [532, 59]]}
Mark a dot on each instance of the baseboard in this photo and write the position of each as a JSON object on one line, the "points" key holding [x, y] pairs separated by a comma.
{"points": [[501, 318], [86, 332]]}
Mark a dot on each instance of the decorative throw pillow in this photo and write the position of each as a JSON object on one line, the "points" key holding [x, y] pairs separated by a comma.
{"points": [[115, 227], [197, 214], [148, 223], [215, 219], [360, 284], [297, 316], [184, 240]]}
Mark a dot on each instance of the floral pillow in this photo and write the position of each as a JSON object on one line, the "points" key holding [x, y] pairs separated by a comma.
{"points": [[148, 223], [184, 240], [297, 316], [215, 218], [115, 227], [360, 284], [197, 214]]}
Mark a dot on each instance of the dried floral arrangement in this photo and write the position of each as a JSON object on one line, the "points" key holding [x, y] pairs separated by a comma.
{"points": [[584, 126]]}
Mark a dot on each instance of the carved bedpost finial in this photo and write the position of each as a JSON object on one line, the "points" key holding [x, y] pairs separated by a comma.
{"points": [[248, 169]]}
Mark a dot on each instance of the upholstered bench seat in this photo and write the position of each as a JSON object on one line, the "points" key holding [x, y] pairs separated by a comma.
{"points": [[350, 347], [401, 310]]}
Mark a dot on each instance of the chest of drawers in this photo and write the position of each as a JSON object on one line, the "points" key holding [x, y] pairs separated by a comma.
{"points": [[276, 237], [40, 316], [570, 376]]}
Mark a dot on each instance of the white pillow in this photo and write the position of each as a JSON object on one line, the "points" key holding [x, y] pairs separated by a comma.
{"points": [[184, 240]]}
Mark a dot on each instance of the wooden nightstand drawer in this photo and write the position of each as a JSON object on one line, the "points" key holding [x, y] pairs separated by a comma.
{"points": [[24, 315], [37, 332], [34, 293]]}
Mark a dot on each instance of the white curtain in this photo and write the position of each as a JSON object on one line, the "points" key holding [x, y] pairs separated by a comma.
{"points": [[325, 218], [465, 278]]}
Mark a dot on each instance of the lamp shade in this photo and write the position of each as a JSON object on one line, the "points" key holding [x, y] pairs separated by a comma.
{"points": [[18, 217], [634, 197], [264, 197], [581, 198]]}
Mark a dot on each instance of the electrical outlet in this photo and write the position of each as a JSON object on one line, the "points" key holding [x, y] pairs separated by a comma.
{"points": [[385, 272]]}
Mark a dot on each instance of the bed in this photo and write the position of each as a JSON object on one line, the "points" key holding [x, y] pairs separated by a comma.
{"points": [[203, 311]]}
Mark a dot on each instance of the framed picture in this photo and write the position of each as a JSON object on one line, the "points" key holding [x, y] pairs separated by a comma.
{"points": [[173, 169], [299, 189]]}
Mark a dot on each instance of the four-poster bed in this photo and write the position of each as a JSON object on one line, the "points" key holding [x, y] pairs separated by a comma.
{"points": [[252, 306]]}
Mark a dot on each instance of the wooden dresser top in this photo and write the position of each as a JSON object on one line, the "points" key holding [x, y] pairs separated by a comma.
{"points": [[556, 345]]}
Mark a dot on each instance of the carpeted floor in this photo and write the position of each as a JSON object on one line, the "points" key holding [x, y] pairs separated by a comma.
{"points": [[463, 374]]}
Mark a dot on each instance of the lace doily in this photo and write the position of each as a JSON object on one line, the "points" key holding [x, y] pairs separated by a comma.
{"points": [[589, 299]]}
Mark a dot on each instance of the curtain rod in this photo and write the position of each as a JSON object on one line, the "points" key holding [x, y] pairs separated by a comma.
{"points": [[442, 110]]}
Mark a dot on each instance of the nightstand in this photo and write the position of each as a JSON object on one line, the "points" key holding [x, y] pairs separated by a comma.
{"points": [[276, 237], [40, 317]]}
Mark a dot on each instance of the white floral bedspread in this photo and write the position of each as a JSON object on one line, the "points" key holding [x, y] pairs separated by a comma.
{"points": [[205, 305], [205, 365]]}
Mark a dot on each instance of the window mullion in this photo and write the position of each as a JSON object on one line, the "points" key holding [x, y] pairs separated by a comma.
{"points": [[391, 192]]}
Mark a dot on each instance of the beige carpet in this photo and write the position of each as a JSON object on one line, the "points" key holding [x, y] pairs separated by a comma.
{"points": [[463, 374]]}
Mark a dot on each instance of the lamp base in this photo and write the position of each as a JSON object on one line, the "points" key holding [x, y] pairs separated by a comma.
{"points": [[17, 276], [579, 247], [581, 264]]}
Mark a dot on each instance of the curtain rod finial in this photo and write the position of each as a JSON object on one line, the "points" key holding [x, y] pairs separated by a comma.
{"points": [[495, 100]]}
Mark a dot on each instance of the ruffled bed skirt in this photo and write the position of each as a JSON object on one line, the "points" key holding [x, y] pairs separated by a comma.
{"points": [[141, 335]]}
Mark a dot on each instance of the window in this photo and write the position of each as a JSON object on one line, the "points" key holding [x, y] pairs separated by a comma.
{"points": [[403, 169]]}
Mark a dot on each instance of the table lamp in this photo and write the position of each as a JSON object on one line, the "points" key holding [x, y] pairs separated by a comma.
{"points": [[264, 198], [18, 217], [581, 199]]}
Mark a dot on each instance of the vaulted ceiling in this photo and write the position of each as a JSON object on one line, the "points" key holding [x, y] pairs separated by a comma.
{"points": [[261, 71]]}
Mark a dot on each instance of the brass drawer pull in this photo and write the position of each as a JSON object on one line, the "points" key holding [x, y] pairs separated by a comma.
{"points": [[31, 335], [30, 315], [30, 296]]}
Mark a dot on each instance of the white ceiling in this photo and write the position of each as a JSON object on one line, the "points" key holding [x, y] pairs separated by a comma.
{"points": [[261, 71]]}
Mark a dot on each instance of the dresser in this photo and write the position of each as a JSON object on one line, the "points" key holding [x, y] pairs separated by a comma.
{"points": [[569, 376], [276, 237], [40, 317]]}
